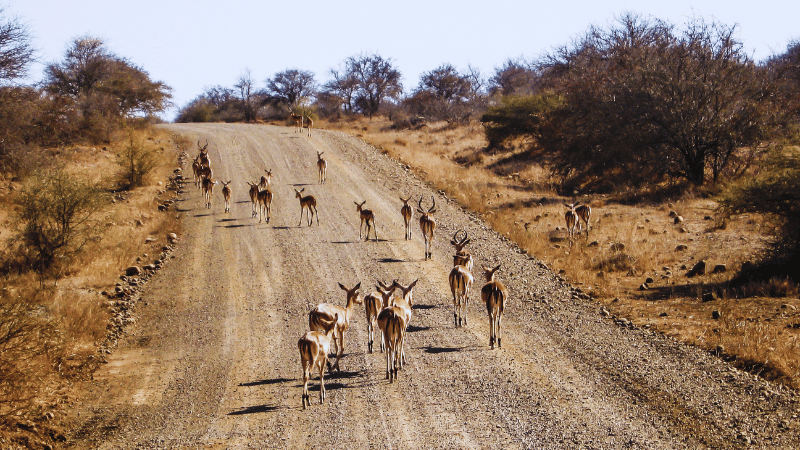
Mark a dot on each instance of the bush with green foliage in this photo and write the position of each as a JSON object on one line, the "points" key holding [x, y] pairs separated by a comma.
{"points": [[519, 116]]}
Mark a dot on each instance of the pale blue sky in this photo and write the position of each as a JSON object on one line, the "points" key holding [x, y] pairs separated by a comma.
{"points": [[193, 44]]}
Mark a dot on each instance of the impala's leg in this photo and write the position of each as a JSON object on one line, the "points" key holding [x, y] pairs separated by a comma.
{"points": [[322, 381], [316, 214], [498, 333]]}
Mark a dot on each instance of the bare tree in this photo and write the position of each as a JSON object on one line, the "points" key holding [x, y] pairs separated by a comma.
{"points": [[245, 84], [376, 81], [515, 77], [443, 93], [291, 87], [16, 52]]}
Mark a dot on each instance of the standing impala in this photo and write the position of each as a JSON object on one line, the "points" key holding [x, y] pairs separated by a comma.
{"points": [[366, 216], [307, 203], [253, 198], [494, 294], [314, 347], [327, 316], [407, 213], [208, 188], [374, 302], [226, 194], [322, 167], [298, 120], [584, 213], [460, 278], [266, 180], [428, 225], [571, 218], [264, 204]]}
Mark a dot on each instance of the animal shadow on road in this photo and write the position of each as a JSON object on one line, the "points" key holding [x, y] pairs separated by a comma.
{"points": [[436, 350], [414, 329], [256, 409], [391, 260], [265, 382]]}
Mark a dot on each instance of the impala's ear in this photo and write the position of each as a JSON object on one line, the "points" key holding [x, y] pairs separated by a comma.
{"points": [[410, 286], [358, 286], [433, 211], [497, 268], [342, 286]]}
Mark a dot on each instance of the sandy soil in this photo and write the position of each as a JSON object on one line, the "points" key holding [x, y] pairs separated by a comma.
{"points": [[212, 361]]}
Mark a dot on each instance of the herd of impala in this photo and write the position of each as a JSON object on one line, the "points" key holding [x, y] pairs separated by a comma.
{"points": [[328, 322]]}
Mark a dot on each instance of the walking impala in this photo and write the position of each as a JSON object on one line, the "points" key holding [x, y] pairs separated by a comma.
{"points": [[428, 225], [368, 217], [314, 347], [322, 168], [226, 194], [407, 213], [327, 316], [460, 278], [494, 294], [307, 203]]}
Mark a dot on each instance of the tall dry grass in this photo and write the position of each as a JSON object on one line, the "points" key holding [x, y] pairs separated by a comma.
{"points": [[130, 228]]}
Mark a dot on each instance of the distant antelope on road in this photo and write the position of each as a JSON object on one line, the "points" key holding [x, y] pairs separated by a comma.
{"points": [[428, 225], [307, 203], [322, 168], [407, 212], [366, 217]]}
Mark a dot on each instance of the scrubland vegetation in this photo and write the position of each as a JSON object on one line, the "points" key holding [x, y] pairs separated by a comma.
{"points": [[644, 120], [81, 174]]}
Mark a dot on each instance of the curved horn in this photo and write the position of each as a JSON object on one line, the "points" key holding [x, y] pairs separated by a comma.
{"points": [[434, 204], [420, 204], [455, 236]]}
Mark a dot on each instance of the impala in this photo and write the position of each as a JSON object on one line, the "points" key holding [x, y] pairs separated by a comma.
{"points": [[264, 204], [202, 158], [307, 203], [460, 281], [584, 213], [314, 347], [407, 213], [226, 194], [253, 198], [405, 303], [366, 216], [298, 120], [322, 167], [428, 225], [392, 325], [266, 180], [309, 123], [374, 302], [327, 316], [571, 217], [208, 187], [494, 294], [462, 257]]}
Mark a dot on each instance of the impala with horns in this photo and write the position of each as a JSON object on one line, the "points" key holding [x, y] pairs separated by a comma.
{"points": [[428, 225], [407, 213], [307, 203], [322, 168], [462, 257], [226, 195], [327, 315], [494, 295], [202, 158], [314, 347], [366, 217]]}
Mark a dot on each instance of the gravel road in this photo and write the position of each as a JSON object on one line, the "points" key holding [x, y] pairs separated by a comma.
{"points": [[212, 361]]}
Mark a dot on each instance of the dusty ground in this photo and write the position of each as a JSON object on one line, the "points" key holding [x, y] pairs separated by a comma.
{"points": [[212, 360]]}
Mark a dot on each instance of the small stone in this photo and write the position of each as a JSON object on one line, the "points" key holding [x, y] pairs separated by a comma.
{"points": [[133, 271], [709, 297], [649, 280], [716, 314], [698, 269], [677, 219], [720, 268]]}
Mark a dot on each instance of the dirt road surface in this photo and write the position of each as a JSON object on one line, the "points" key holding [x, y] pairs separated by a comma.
{"points": [[212, 361]]}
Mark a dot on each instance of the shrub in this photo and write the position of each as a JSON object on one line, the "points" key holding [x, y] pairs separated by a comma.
{"points": [[29, 340], [56, 213], [137, 163]]}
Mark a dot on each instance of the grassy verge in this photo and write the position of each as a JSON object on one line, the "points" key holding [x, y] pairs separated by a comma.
{"points": [[53, 326]]}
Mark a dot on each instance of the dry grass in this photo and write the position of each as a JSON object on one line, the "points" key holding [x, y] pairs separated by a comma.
{"points": [[74, 303], [643, 279]]}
